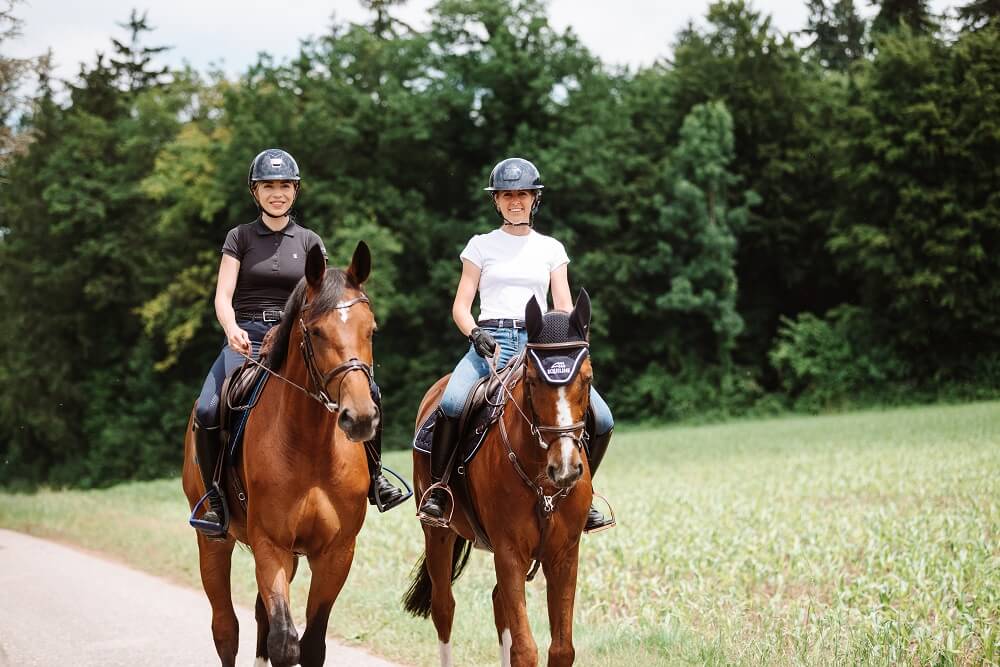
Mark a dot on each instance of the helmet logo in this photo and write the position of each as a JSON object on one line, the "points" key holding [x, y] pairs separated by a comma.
{"points": [[276, 162], [511, 173]]}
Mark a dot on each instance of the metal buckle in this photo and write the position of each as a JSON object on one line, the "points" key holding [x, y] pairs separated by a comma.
{"points": [[275, 315]]}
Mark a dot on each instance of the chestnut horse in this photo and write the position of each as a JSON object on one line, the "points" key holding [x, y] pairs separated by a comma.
{"points": [[530, 486], [303, 466]]}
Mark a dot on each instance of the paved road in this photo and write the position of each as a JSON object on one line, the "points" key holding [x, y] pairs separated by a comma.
{"points": [[59, 606]]}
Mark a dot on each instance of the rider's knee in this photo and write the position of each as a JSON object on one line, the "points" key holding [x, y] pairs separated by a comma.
{"points": [[206, 413], [452, 406]]}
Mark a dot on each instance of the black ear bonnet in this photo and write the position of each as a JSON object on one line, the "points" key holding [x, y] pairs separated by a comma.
{"points": [[558, 348]]}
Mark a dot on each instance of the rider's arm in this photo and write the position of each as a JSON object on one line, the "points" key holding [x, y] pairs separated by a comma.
{"points": [[229, 271], [461, 310], [559, 284]]}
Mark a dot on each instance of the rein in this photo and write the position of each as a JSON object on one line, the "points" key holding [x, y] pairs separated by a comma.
{"points": [[317, 377], [547, 504]]}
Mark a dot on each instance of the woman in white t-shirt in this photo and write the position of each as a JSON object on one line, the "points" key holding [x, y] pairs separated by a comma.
{"points": [[507, 267]]}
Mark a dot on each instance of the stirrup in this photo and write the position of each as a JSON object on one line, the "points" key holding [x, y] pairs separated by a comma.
{"points": [[610, 524], [433, 521], [211, 530], [403, 495]]}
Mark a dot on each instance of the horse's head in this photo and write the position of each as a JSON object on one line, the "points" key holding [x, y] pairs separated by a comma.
{"points": [[337, 323], [557, 381]]}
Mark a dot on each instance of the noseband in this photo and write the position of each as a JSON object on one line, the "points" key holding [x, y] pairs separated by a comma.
{"points": [[321, 380]]}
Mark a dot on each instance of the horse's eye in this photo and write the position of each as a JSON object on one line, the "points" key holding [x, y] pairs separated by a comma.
{"points": [[315, 331]]}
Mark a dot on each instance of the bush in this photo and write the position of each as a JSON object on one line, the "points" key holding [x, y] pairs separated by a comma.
{"points": [[833, 361]]}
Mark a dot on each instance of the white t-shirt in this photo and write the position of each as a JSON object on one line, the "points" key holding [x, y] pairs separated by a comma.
{"points": [[513, 269]]}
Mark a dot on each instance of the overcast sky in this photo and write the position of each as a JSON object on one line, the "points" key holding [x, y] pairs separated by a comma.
{"points": [[230, 33]]}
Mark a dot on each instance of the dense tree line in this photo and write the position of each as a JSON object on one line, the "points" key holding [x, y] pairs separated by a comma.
{"points": [[763, 221]]}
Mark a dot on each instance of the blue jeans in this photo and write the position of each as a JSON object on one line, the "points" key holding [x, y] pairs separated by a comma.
{"points": [[472, 367], [207, 409]]}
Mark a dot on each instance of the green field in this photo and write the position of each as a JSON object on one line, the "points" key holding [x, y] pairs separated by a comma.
{"points": [[865, 538]]}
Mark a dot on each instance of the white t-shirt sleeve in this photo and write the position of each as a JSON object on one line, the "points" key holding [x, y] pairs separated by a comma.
{"points": [[473, 252], [557, 256]]}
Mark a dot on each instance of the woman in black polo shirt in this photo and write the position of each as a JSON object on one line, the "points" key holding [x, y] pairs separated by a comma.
{"points": [[262, 261]]}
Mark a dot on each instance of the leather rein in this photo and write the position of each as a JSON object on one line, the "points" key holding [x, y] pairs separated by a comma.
{"points": [[547, 504], [319, 379]]}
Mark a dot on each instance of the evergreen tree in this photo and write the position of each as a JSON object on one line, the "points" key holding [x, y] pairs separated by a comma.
{"points": [[921, 220], [838, 33], [912, 13]]}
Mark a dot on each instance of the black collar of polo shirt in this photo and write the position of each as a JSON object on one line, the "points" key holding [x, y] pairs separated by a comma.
{"points": [[264, 230]]}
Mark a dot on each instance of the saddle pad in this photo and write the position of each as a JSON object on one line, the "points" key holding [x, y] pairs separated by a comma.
{"points": [[476, 427], [238, 421]]}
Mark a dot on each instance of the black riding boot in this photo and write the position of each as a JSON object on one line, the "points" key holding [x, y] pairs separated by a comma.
{"points": [[208, 447], [595, 452], [432, 511], [381, 493]]}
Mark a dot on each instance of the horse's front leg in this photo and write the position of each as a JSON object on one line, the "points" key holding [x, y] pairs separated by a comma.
{"points": [[215, 561], [329, 572], [512, 570], [275, 567], [560, 589]]}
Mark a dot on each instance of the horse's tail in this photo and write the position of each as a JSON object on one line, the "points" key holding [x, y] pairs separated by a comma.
{"points": [[417, 600]]}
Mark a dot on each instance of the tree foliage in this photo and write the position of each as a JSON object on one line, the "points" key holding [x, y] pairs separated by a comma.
{"points": [[757, 222]]}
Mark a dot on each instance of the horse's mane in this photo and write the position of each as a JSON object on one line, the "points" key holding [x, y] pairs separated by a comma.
{"points": [[329, 296]]}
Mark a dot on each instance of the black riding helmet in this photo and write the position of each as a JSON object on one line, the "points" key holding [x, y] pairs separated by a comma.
{"points": [[515, 173], [273, 164]]}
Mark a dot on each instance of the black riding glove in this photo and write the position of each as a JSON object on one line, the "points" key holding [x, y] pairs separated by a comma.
{"points": [[483, 342]]}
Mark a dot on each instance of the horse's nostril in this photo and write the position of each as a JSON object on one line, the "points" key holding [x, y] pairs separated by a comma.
{"points": [[552, 472], [579, 469]]}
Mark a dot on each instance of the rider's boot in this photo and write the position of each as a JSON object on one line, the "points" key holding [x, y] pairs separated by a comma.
{"points": [[381, 493], [432, 511], [208, 447], [596, 521]]}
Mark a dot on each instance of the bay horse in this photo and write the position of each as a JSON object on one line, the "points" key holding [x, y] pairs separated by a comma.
{"points": [[530, 486], [303, 467]]}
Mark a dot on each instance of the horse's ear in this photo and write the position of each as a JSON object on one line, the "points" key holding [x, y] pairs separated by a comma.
{"points": [[315, 267], [361, 265], [580, 317], [533, 318]]}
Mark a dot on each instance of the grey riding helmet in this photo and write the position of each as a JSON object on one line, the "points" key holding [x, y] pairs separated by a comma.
{"points": [[516, 173]]}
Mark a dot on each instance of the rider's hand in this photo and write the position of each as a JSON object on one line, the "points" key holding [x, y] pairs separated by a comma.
{"points": [[483, 342], [239, 340]]}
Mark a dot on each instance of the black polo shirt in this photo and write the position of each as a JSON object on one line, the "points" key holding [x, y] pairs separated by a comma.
{"points": [[271, 263]]}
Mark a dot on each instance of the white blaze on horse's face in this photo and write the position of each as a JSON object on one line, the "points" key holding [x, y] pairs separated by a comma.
{"points": [[561, 407]]}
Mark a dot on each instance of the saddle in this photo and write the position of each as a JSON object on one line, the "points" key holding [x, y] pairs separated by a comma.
{"points": [[237, 398], [483, 407]]}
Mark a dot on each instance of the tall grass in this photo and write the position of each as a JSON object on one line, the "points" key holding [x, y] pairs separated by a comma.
{"points": [[868, 538]]}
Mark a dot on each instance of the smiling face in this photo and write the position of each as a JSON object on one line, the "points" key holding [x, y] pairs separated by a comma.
{"points": [[515, 205], [275, 197]]}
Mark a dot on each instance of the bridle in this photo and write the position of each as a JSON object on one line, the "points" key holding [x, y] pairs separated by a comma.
{"points": [[319, 379], [546, 505], [537, 430], [560, 431]]}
